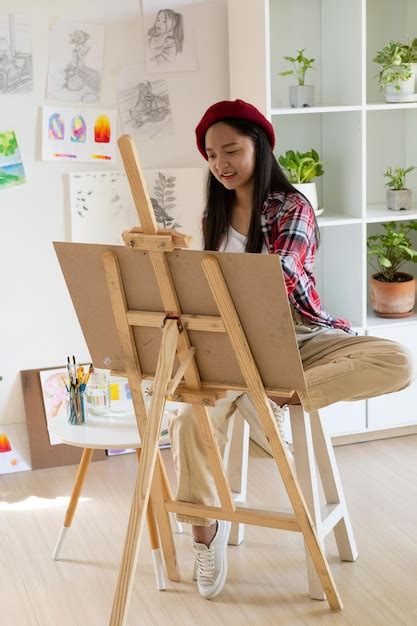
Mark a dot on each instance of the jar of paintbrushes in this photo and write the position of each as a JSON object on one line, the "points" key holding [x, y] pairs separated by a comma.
{"points": [[76, 391]]}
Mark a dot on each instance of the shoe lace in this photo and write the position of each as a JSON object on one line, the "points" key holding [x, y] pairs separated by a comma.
{"points": [[205, 564], [279, 415]]}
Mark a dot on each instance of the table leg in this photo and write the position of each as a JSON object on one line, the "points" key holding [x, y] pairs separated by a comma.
{"points": [[75, 494]]}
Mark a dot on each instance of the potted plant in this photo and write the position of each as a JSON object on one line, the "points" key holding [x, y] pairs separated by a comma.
{"points": [[398, 197], [301, 168], [397, 75], [392, 292], [301, 95]]}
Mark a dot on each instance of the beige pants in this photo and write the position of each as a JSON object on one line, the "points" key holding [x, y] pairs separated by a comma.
{"points": [[337, 367]]}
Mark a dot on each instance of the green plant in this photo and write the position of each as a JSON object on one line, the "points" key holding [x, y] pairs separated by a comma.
{"points": [[301, 65], [301, 167], [394, 75], [397, 177], [395, 58], [392, 249]]}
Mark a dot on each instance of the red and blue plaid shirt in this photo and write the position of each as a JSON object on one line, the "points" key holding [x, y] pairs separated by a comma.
{"points": [[288, 225]]}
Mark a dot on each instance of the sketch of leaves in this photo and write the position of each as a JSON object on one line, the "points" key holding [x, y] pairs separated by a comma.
{"points": [[164, 199], [171, 179]]}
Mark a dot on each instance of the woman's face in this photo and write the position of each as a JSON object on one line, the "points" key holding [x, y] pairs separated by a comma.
{"points": [[231, 156], [163, 23]]}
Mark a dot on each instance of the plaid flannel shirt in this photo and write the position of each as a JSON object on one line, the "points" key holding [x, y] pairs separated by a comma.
{"points": [[287, 222]]}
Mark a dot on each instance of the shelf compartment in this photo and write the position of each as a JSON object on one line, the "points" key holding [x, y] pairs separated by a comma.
{"points": [[330, 32], [337, 139], [319, 108], [379, 213]]}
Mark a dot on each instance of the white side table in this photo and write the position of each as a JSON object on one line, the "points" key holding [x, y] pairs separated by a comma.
{"points": [[105, 432]]}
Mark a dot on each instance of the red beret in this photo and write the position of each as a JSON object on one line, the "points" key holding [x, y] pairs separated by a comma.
{"points": [[231, 108]]}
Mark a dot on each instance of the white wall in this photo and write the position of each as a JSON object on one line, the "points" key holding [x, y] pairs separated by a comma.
{"points": [[37, 323]]}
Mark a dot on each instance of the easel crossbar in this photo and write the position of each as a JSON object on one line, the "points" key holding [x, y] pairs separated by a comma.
{"points": [[243, 514], [155, 319]]}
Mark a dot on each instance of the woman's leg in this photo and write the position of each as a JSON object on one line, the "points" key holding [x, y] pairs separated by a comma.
{"points": [[195, 479], [339, 367]]}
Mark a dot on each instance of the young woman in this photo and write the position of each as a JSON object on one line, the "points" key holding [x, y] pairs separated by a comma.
{"points": [[251, 207]]}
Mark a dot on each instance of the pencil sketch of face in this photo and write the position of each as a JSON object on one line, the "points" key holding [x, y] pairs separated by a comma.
{"points": [[166, 37]]}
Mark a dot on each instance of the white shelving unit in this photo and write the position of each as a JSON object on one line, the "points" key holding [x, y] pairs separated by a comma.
{"points": [[357, 134]]}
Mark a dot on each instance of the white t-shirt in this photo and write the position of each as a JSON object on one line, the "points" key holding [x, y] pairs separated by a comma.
{"points": [[236, 242]]}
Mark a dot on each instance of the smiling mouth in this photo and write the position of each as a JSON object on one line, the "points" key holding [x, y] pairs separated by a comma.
{"points": [[228, 175]]}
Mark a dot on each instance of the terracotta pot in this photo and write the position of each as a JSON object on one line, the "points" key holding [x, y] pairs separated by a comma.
{"points": [[393, 299]]}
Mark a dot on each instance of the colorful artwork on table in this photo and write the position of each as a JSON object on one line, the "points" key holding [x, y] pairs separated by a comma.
{"points": [[12, 172], [75, 62], [102, 206], [54, 396], [169, 35], [14, 448], [71, 134], [144, 104], [16, 68]]}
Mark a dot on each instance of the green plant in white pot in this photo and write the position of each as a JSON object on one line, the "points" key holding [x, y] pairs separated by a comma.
{"points": [[301, 95], [301, 169], [397, 76], [392, 292], [398, 196]]}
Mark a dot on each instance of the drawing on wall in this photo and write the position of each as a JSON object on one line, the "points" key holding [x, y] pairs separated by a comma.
{"points": [[169, 35], [75, 62], [16, 69], [144, 104], [83, 135], [102, 205], [54, 396], [11, 167], [14, 448]]}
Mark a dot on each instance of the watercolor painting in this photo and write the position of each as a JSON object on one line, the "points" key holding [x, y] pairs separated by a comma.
{"points": [[75, 62], [14, 448], [144, 104], [169, 35], [70, 134], [11, 167], [102, 205], [54, 396], [16, 67]]}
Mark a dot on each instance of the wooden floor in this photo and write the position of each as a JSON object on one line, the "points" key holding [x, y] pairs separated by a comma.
{"points": [[266, 582]]}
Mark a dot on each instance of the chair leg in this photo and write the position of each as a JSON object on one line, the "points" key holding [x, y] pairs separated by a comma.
{"points": [[238, 471], [333, 489], [307, 477], [75, 494]]}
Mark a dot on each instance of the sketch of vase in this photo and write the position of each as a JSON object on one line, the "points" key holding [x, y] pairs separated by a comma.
{"points": [[16, 73], [77, 75], [164, 201], [149, 107]]}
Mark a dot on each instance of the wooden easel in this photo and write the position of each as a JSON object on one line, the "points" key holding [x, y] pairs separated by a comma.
{"points": [[175, 344], [175, 341]]}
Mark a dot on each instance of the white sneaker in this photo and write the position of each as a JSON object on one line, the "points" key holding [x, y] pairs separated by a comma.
{"points": [[211, 562], [248, 411]]}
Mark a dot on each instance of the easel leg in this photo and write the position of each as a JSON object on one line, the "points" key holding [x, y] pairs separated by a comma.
{"points": [[333, 489], [145, 475], [154, 541], [75, 494]]}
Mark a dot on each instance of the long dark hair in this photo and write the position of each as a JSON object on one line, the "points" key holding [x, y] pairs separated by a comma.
{"points": [[268, 177]]}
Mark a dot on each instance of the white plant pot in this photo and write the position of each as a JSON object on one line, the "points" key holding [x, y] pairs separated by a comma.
{"points": [[405, 92], [309, 190], [399, 200], [301, 96]]}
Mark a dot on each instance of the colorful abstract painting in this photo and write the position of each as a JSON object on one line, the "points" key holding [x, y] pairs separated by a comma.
{"points": [[14, 448], [70, 134], [11, 167]]}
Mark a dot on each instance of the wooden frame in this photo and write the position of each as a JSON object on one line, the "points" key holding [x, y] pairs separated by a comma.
{"points": [[238, 334]]}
